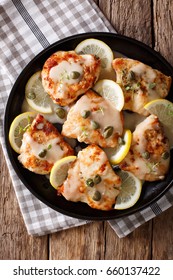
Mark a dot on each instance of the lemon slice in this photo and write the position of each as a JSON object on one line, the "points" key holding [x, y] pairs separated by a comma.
{"points": [[163, 109], [131, 188], [99, 49], [117, 154], [36, 96], [17, 129], [59, 171], [52, 117], [111, 91]]}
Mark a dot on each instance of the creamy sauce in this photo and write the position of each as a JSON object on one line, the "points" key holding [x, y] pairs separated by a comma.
{"points": [[88, 59], [148, 74], [86, 167], [138, 68], [104, 113], [63, 72], [53, 118], [53, 149], [72, 185]]}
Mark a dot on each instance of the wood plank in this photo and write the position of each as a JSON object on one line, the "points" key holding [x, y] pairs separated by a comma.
{"points": [[162, 245], [98, 241], [130, 18], [82, 243], [163, 27], [15, 243], [136, 246]]}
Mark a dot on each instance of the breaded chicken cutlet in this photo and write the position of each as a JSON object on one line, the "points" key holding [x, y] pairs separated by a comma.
{"points": [[92, 180], [42, 146], [149, 156], [66, 75], [93, 120], [140, 83]]}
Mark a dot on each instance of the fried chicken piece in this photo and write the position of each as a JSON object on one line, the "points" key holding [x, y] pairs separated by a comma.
{"points": [[42, 146], [94, 120], [92, 180], [140, 83], [66, 75], [149, 155]]}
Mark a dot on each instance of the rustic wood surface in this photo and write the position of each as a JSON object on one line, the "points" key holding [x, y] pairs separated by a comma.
{"points": [[150, 21]]}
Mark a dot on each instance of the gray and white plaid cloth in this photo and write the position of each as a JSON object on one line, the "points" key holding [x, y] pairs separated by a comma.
{"points": [[27, 27]]}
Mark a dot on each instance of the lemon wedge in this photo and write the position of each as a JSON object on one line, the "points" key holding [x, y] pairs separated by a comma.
{"points": [[111, 91], [19, 125], [163, 109], [36, 96], [59, 171], [99, 49], [117, 154], [131, 188]]}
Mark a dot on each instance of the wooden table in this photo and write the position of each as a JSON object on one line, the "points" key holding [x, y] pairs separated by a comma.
{"points": [[150, 21]]}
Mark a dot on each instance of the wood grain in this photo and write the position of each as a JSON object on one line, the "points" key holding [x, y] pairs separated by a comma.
{"points": [[130, 18], [150, 21], [163, 28]]}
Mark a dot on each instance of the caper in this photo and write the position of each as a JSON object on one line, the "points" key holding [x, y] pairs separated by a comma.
{"points": [[74, 75], [165, 155], [85, 114], [90, 182], [97, 179], [108, 131], [146, 155], [95, 125], [43, 153], [60, 113], [97, 196], [31, 95], [131, 76], [121, 141]]}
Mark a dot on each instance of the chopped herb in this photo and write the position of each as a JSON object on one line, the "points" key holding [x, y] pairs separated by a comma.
{"points": [[152, 85], [84, 131], [128, 87], [170, 109], [100, 109], [49, 147]]}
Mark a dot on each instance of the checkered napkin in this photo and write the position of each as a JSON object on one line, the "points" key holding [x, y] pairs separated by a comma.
{"points": [[27, 27]]}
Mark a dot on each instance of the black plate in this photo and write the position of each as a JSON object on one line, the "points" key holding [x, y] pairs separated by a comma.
{"points": [[38, 184]]}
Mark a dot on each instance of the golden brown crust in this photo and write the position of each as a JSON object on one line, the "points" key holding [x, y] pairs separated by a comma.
{"points": [[61, 92], [42, 135]]}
